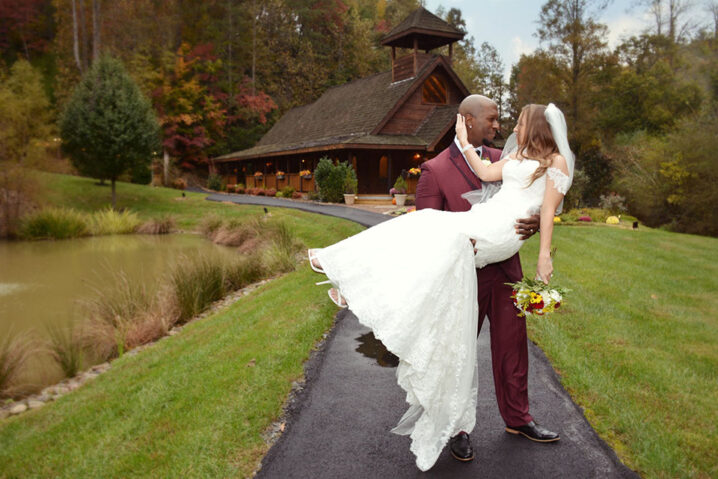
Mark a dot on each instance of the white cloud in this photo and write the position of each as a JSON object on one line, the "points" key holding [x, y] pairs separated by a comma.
{"points": [[520, 47], [624, 26]]}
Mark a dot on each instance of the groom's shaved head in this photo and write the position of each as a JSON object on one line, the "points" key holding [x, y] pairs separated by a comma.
{"points": [[475, 104], [482, 118]]}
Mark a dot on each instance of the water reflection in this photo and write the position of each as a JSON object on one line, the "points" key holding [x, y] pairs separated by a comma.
{"points": [[371, 347]]}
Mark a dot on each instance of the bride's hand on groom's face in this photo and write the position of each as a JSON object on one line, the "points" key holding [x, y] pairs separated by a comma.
{"points": [[527, 227], [461, 133]]}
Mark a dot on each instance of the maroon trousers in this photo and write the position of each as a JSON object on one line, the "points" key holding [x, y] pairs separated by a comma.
{"points": [[509, 347]]}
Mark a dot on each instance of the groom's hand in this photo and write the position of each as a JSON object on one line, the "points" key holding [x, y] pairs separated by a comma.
{"points": [[527, 227]]}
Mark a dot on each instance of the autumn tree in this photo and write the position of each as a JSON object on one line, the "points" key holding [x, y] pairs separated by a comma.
{"points": [[25, 127], [108, 126]]}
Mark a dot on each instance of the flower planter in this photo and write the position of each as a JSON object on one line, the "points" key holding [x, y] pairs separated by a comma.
{"points": [[349, 199], [307, 177], [400, 199]]}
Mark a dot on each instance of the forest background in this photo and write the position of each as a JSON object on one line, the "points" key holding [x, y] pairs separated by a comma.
{"points": [[643, 116]]}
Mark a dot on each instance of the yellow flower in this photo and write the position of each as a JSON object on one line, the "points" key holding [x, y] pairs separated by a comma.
{"points": [[612, 220], [536, 298], [556, 219]]}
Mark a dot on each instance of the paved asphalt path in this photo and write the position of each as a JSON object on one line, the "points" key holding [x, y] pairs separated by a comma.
{"points": [[338, 425]]}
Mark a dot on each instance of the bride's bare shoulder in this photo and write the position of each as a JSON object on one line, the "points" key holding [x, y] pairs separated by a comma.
{"points": [[558, 161]]}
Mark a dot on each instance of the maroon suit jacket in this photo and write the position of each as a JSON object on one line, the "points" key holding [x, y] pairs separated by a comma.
{"points": [[442, 182]]}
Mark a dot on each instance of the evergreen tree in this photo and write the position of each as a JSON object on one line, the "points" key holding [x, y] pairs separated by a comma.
{"points": [[108, 126]]}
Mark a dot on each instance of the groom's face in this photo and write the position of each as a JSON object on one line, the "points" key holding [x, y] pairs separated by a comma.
{"points": [[484, 124]]}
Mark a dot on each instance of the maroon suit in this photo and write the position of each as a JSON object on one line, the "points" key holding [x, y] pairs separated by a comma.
{"points": [[443, 180]]}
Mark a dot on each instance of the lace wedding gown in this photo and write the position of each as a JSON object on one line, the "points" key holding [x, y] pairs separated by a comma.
{"points": [[412, 280]]}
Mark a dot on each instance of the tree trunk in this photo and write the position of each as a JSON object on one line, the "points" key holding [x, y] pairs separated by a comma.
{"points": [[95, 29], [254, 45], [166, 165], [83, 34], [114, 196], [75, 40]]}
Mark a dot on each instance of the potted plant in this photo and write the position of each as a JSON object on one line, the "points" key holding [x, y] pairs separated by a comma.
{"points": [[400, 191], [280, 175], [350, 187], [258, 175], [306, 174], [414, 172]]}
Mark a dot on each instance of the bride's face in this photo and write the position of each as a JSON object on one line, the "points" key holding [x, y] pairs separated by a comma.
{"points": [[520, 128]]}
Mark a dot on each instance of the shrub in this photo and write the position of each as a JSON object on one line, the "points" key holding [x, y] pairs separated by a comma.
{"points": [[400, 186], [288, 192], [313, 196], [350, 182], [613, 202], [210, 224], [214, 182], [54, 223], [260, 191], [179, 183], [112, 222], [141, 174], [297, 195], [244, 271], [157, 226], [331, 179], [239, 189], [270, 192]]}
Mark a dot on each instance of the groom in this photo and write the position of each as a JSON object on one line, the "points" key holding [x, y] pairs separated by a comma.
{"points": [[442, 182]]}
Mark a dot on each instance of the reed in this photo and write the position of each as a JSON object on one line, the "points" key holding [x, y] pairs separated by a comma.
{"points": [[158, 226], [196, 283], [14, 351], [65, 347]]}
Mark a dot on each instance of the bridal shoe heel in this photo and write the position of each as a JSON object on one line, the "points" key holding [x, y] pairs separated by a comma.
{"points": [[312, 257]]}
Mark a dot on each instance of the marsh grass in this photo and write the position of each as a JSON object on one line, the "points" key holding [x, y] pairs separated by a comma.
{"points": [[158, 226], [196, 283], [112, 222], [65, 346], [14, 352], [54, 223]]}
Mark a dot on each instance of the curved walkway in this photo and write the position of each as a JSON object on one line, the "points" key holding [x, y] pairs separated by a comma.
{"points": [[338, 424]]}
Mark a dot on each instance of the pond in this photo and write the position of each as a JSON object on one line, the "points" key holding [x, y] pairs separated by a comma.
{"points": [[44, 282]]}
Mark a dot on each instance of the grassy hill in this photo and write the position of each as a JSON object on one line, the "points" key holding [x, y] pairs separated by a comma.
{"points": [[636, 346]]}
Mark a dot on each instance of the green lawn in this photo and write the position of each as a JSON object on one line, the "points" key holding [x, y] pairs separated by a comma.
{"points": [[636, 346]]}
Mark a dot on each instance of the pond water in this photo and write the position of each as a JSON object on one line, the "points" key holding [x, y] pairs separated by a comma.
{"points": [[44, 282]]}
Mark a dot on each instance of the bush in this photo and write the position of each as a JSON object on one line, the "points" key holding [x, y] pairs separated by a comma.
{"points": [[331, 179], [297, 195], [288, 192], [260, 191], [313, 196], [613, 202], [54, 223], [214, 182], [239, 189], [112, 222], [244, 271], [141, 174], [400, 185], [350, 182], [179, 183], [270, 192], [577, 192]]}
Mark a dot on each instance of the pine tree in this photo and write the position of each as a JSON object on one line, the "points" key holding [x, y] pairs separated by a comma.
{"points": [[108, 126]]}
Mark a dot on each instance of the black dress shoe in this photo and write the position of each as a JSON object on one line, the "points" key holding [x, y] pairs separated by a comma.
{"points": [[460, 446], [534, 432]]}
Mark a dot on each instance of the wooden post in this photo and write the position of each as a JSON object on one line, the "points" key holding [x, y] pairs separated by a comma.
{"points": [[393, 61], [451, 53], [416, 53]]}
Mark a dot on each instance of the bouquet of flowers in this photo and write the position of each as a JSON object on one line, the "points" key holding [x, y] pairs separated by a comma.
{"points": [[534, 297]]}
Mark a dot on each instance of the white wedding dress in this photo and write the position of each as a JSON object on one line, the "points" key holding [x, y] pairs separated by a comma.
{"points": [[412, 280]]}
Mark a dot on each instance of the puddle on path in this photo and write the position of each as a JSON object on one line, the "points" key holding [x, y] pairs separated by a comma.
{"points": [[371, 347]]}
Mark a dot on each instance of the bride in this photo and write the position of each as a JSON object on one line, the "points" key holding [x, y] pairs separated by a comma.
{"points": [[412, 280]]}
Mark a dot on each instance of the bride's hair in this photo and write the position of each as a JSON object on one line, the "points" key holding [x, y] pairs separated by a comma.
{"points": [[538, 143]]}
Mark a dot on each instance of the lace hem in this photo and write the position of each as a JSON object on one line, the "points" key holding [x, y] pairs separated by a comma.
{"points": [[561, 181]]}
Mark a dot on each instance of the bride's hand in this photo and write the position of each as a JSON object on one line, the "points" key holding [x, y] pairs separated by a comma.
{"points": [[544, 269], [461, 133]]}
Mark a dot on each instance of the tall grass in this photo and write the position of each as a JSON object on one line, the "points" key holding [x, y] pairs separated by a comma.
{"points": [[197, 283], [66, 348], [158, 226], [112, 222], [14, 351], [54, 223]]}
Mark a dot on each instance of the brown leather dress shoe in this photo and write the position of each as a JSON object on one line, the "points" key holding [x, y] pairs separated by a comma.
{"points": [[460, 446], [534, 432]]}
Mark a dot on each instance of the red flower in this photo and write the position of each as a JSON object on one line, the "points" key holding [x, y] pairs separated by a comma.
{"points": [[539, 305], [557, 305]]}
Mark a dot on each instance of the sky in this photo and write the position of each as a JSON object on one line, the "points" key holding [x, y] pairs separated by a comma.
{"points": [[510, 25]]}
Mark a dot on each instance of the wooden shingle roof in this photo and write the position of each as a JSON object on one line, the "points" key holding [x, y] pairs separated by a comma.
{"points": [[349, 115], [430, 31]]}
